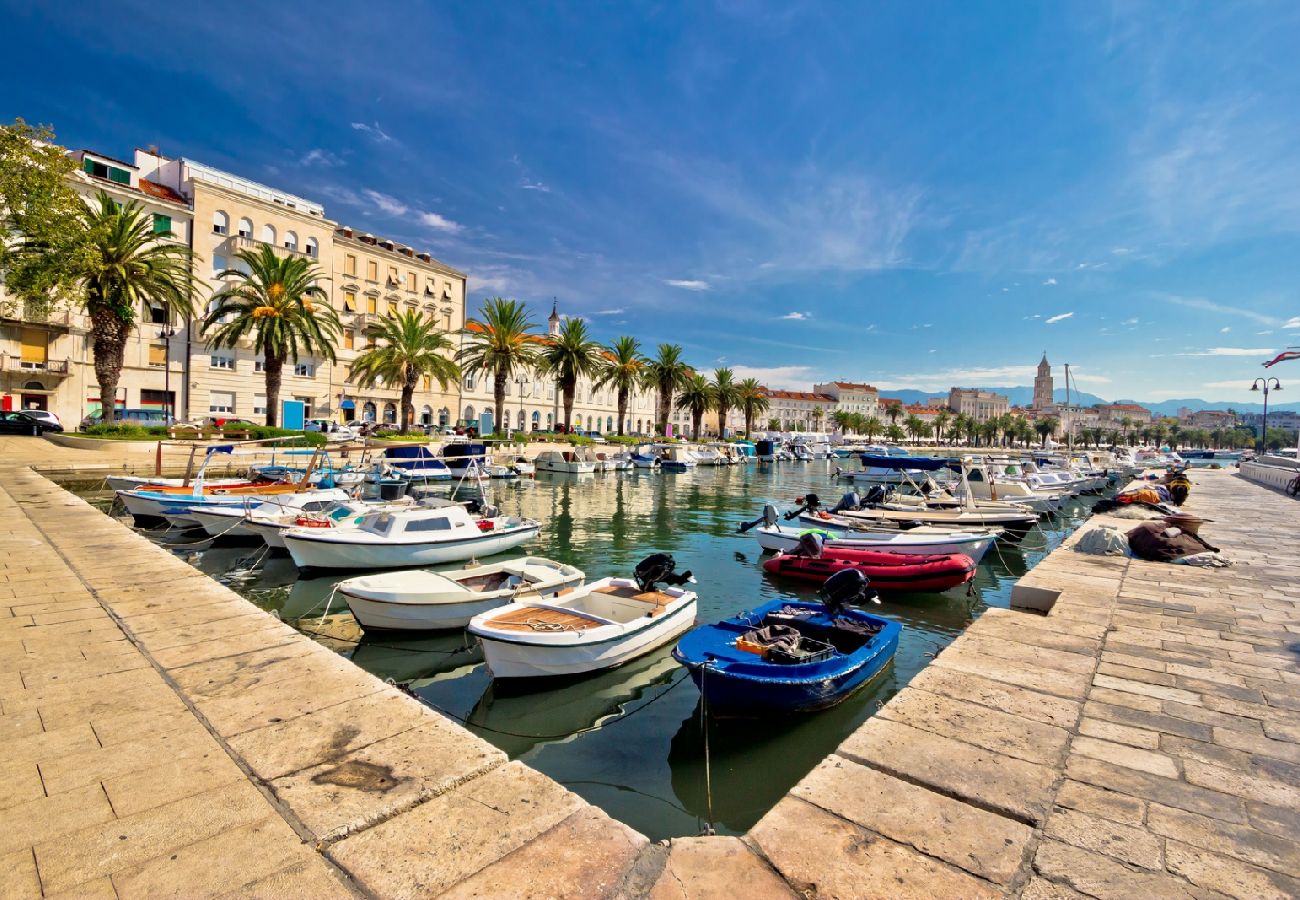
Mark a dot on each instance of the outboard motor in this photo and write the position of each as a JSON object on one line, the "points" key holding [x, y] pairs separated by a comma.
{"points": [[848, 587], [769, 517], [876, 495], [810, 545], [658, 568], [851, 500], [807, 503]]}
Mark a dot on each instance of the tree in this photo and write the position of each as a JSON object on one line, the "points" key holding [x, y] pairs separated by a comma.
{"points": [[405, 348], [1046, 427], [277, 302], [501, 342], [624, 370], [894, 433], [842, 419], [871, 426], [941, 420], [568, 356], [959, 423], [45, 249], [816, 417], [697, 398], [972, 430], [989, 430], [1126, 423], [1175, 432], [752, 400], [726, 396], [667, 372], [912, 424], [115, 264], [893, 410], [773, 424]]}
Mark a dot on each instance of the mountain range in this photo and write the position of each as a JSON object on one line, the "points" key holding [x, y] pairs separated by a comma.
{"points": [[1024, 396]]}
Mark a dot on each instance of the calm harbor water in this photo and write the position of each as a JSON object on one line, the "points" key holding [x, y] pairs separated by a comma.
{"points": [[630, 740]]}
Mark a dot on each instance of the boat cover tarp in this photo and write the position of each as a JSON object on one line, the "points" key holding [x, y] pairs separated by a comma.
{"points": [[919, 463]]}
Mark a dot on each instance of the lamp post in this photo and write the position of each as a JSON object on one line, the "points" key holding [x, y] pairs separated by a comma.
{"points": [[1263, 429], [521, 381], [167, 334]]}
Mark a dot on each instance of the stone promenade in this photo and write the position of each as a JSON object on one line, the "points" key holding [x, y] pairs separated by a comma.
{"points": [[163, 737]]}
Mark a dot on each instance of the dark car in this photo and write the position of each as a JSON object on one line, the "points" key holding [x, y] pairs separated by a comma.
{"points": [[20, 423]]}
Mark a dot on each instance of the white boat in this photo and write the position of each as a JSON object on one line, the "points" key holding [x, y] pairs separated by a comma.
{"points": [[348, 514], [420, 600], [232, 521], [132, 482], [565, 462], [619, 462], [913, 543], [523, 467], [435, 531], [605, 624]]}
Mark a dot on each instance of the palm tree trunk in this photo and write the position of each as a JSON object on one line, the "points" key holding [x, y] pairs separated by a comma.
{"points": [[622, 409], [749, 422], [665, 402], [274, 373], [569, 388], [109, 334], [499, 398], [408, 405], [698, 417]]}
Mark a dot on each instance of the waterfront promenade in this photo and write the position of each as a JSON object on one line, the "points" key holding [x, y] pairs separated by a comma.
{"points": [[165, 737]]}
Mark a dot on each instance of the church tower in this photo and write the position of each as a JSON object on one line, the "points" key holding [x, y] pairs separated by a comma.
{"points": [[1043, 385], [553, 322]]}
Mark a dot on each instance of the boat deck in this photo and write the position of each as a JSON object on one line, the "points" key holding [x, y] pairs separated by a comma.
{"points": [[542, 619], [658, 599]]}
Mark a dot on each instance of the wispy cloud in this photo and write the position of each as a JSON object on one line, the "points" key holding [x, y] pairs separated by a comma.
{"points": [[1236, 384], [439, 223], [1132, 321], [385, 203], [374, 131], [1231, 351], [1060, 317], [797, 316], [688, 284], [1293, 322], [320, 158], [1050, 282], [1210, 306], [784, 378], [538, 186], [609, 312], [1225, 329]]}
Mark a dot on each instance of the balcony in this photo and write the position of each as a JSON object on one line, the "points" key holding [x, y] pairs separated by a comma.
{"points": [[33, 314], [240, 242], [16, 366]]}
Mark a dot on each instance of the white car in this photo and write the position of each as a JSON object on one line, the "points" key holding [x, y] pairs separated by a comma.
{"points": [[45, 417]]}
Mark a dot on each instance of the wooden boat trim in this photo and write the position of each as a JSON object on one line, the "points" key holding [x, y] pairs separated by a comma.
{"points": [[685, 607]]}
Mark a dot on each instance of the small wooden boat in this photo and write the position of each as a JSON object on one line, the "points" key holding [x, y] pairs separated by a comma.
{"points": [[605, 624], [916, 543], [563, 462], [232, 521], [790, 656], [885, 571], [420, 600]]}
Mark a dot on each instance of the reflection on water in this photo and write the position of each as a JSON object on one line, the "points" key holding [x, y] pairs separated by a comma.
{"points": [[629, 740]]}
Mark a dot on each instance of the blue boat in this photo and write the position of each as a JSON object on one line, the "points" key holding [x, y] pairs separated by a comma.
{"points": [[791, 656], [462, 456], [417, 463]]}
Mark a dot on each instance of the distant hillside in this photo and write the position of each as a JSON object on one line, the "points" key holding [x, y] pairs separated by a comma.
{"points": [[1023, 396]]}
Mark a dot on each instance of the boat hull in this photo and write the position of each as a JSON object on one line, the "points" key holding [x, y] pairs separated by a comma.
{"points": [[974, 546], [336, 551], [928, 574]]}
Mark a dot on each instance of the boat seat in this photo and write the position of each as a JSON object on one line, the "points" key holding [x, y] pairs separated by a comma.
{"points": [[544, 619], [658, 599]]}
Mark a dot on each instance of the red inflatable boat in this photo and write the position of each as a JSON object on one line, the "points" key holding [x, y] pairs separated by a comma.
{"points": [[887, 571]]}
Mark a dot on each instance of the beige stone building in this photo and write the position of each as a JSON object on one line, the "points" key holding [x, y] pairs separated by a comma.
{"points": [[852, 397], [978, 405], [45, 354]]}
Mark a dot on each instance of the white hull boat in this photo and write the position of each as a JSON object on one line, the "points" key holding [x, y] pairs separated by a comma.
{"points": [[416, 600], [600, 626], [563, 462], [133, 482], [233, 521], [973, 544]]}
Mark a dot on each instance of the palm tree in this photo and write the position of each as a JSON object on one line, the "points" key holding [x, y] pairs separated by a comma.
{"points": [[842, 419], [667, 372], [726, 396], [277, 302], [912, 424], [941, 421], [959, 422], [894, 433], [752, 400], [893, 409], [972, 430], [816, 417], [119, 265], [697, 398], [989, 430], [568, 356], [1126, 423], [1175, 430], [403, 349], [624, 369], [503, 341], [1045, 427], [871, 426]]}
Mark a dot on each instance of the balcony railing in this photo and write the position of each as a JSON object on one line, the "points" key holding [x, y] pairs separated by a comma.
{"points": [[241, 242], [16, 365], [37, 315]]}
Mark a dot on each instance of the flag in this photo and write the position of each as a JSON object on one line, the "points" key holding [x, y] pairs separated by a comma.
{"points": [[1283, 357]]}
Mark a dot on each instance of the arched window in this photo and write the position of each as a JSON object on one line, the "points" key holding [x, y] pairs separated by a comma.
{"points": [[609, 423], [246, 228], [368, 412], [268, 233], [390, 414], [550, 421], [444, 415], [470, 415], [426, 415], [220, 223], [537, 420], [522, 421], [311, 247], [638, 425], [577, 422], [291, 240]]}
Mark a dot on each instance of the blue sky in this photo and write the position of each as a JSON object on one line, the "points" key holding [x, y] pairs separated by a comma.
{"points": [[918, 195]]}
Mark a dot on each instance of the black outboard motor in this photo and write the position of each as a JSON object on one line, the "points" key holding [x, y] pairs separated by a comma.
{"points": [[810, 545], [658, 568], [807, 503], [876, 495], [769, 517], [848, 587], [850, 501]]}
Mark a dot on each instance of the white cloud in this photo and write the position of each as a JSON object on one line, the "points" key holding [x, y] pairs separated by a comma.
{"points": [[784, 378], [385, 203], [1232, 351], [1266, 331], [1210, 306], [1132, 321], [1061, 317], [1293, 322], [688, 284], [373, 130], [534, 186], [440, 223], [1034, 316], [320, 157], [1224, 330], [1121, 251], [1049, 282], [609, 312], [1237, 384], [797, 316]]}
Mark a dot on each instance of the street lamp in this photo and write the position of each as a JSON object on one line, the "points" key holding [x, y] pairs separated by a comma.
{"points": [[167, 334], [521, 381], [1263, 430]]}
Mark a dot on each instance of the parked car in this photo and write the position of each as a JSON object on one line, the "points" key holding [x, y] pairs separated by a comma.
{"points": [[20, 423], [129, 417], [597, 437], [45, 417]]}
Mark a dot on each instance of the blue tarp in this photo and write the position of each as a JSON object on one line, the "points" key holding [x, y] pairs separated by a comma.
{"points": [[222, 448], [919, 463]]}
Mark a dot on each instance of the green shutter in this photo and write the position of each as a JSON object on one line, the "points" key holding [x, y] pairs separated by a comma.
{"points": [[121, 176], [88, 165], [161, 224]]}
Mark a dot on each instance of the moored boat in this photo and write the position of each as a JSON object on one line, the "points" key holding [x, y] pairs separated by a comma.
{"points": [[886, 571], [563, 462], [917, 542]]}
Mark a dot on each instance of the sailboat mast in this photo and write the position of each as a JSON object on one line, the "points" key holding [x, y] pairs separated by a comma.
{"points": [[1069, 437]]}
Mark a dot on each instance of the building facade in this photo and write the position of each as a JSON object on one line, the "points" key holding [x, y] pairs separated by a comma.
{"points": [[1115, 413], [852, 397], [978, 405]]}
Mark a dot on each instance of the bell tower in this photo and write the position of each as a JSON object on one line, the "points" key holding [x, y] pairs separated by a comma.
{"points": [[1043, 385], [553, 321]]}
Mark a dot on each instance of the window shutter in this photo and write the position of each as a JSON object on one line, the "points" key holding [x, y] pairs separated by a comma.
{"points": [[34, 346], [161, 224], [157, 355], [88, 166]]}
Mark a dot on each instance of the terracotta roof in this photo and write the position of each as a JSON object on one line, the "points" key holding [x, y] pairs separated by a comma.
{"points": [[799, 395], [854, 387], [1128, 407], [161, 191]]}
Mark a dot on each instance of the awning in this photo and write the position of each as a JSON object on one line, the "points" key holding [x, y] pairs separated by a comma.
{"points": [[916, 463], [348, 404]]}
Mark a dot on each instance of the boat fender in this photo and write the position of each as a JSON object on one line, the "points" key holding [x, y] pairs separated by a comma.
{"points": [[305, 522]]}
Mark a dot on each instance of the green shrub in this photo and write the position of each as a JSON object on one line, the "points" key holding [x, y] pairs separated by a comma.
{"points": [[116, 432], [415, 437]]}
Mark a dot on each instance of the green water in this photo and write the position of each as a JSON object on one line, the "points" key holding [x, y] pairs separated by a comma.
{"points": [[639, 754]]}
